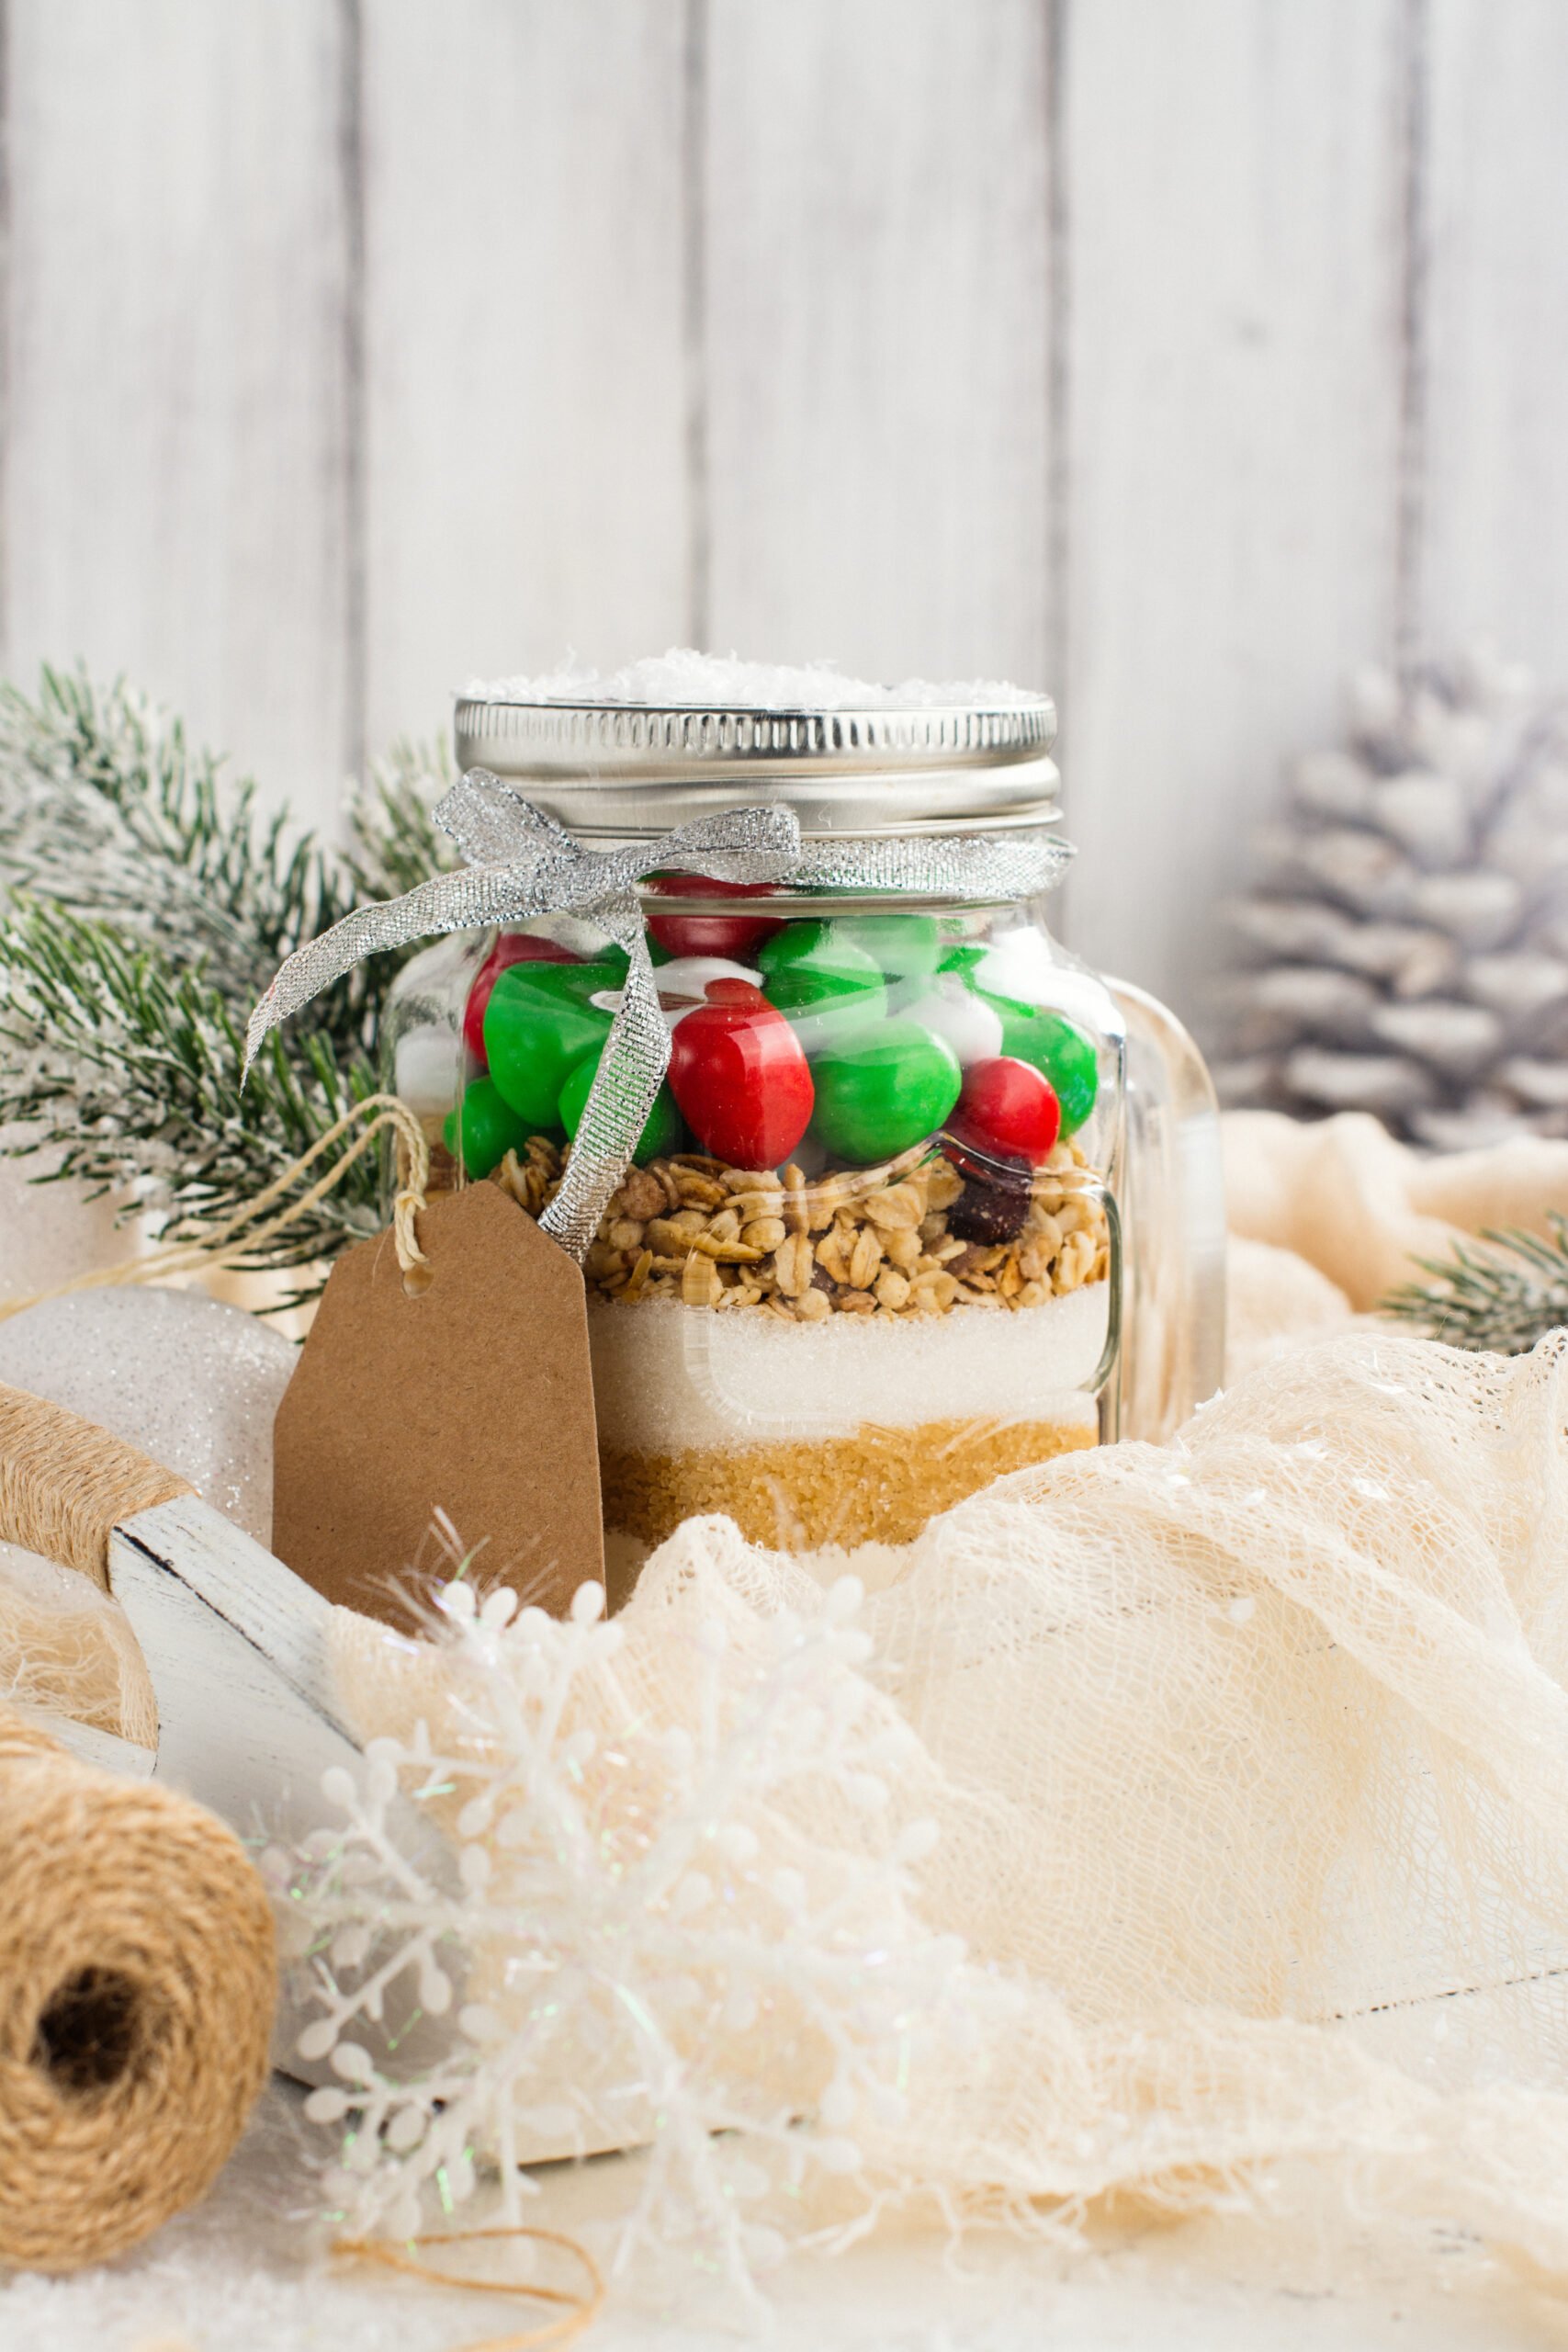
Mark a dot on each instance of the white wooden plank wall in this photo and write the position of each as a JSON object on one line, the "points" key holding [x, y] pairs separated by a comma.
{"points": [[176, 435], [877, 333], [1173, 354], [1233, 422], [1494, 357], [526, 365]]}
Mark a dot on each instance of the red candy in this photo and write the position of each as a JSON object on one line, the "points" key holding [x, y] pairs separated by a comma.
{"points": [[1008, 1109], [739, 1076], [732, 935], [511, 947]]}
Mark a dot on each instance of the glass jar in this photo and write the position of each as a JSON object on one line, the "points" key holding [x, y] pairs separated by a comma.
{"points": [[922, 1199]]}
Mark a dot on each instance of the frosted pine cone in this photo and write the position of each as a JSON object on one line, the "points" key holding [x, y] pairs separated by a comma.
{"points": [[1407, 951]]}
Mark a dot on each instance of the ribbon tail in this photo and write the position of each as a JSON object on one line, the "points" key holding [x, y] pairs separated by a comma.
{"points": [[630, 1073], [446, 903]]}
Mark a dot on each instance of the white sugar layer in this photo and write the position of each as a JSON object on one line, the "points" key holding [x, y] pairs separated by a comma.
{"points": [[668, 1376]]}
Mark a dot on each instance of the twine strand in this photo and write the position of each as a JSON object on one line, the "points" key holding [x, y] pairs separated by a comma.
{"points": [[580, 2310], [67, 1484], [250, 1227]]}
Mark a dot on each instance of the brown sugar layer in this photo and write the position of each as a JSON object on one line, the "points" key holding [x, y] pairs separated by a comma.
{"points": [[872, 1485]]}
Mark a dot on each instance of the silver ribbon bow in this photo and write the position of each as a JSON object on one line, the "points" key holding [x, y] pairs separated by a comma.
{"points": [[522, 863]]}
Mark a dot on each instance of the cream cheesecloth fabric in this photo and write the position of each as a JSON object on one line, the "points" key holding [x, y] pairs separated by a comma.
{"points": [[1250, 1759], [1357, 1207]]}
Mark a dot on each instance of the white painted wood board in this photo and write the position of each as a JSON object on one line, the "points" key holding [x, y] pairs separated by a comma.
{"points": [[877, 321], [526, 371], [174, 424], [1234, 430]]}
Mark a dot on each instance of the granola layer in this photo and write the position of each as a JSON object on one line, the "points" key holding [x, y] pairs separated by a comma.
{"points": [[915, 1237], [876, 1485]]}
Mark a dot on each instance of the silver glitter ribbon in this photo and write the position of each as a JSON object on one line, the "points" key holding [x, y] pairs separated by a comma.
{"points": [[521, 863]]}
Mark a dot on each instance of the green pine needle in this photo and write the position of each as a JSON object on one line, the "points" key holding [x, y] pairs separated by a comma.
{"points": [[1502, 1299], [145, 903], [104, 807], [130, 1068]]}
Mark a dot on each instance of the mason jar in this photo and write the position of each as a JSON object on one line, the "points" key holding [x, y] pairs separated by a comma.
{"points": [[922, 1199]]}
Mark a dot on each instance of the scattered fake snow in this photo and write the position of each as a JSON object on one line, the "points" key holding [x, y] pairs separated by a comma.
{"points": [[722, 681]]}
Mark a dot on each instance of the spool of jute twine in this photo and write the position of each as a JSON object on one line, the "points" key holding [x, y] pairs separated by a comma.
{"points": [[138, 1972], [137, 1986], [137, 1975]]}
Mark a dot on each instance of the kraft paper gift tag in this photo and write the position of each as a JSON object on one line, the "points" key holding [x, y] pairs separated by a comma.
{"points": [[471, 1397]]}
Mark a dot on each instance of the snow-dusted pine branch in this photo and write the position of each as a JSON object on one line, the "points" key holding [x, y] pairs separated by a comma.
{"points": [[145, 902]]}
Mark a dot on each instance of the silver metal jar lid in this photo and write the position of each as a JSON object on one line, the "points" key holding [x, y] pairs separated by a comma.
{"points": [[630, 771]]}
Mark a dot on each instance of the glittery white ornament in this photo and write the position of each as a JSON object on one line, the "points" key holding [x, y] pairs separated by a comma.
{"points": [[49, 1232], [193, 1384], [688, 1922]]}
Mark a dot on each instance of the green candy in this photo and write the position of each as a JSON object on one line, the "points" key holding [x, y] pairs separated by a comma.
{"points": [[489, 1129], [962, 958], [808, 967], [1057, 1047], [889, 1088], [538, 1024], [905, 947], [662, 1132]]}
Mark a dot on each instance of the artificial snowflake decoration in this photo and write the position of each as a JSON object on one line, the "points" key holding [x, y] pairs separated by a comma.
{"points": [[684, 1903]]}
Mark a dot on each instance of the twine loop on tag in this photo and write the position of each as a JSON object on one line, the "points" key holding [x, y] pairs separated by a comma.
{"points": [[413, 1183], [262, 1219]]}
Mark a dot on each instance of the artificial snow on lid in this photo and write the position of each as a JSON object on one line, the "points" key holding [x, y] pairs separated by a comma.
{"points": [[684, 734], [684, 679]]}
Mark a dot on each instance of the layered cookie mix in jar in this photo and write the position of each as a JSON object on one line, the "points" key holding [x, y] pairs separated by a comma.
{"points": [[868, 1253]]}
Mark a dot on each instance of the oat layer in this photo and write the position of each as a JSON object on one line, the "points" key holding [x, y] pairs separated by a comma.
{"points": [[875, 1485], [876, 1241]]}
